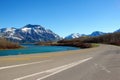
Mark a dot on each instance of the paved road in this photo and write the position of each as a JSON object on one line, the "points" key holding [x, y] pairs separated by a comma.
{"points": [[101, 63]]}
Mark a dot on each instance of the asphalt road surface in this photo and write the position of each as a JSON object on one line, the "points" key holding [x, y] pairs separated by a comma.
{"points": [[100, 63]]}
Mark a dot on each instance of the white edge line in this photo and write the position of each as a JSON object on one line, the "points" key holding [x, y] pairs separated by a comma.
{"points": [[67, 67], [54, 70], [19, 65]]}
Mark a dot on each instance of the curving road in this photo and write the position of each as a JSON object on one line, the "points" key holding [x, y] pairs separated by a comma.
{"points": [[100, 63]]}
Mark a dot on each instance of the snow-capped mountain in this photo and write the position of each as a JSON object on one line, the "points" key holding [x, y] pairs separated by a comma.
{"points": [[77, 35], [74, 35], [29, 33], [96, 33]]}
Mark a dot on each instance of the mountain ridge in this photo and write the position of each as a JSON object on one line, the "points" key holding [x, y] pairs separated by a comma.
{"points": [[36, 33], [93, 34], [29, 33]]}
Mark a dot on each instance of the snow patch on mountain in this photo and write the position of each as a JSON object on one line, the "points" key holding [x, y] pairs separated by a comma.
{"points": [[26, 29]]}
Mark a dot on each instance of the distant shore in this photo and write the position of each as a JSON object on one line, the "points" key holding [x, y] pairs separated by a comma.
{"points": [[69, 43]]}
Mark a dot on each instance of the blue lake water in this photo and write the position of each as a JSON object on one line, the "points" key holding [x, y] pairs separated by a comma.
{"points": [[32, 49]]}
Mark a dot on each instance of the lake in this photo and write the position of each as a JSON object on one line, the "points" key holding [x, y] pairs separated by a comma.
{"points": [[35, 49]]}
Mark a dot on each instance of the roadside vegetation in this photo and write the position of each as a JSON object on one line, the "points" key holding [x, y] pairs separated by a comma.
{"points": [[111, 38], [73, 43], [87, 42], [4, 44]]}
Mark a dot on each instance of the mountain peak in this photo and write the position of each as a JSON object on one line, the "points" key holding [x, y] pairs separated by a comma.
{"points": [[32, 26], [73, 35], [96, 33], [117, 30]]}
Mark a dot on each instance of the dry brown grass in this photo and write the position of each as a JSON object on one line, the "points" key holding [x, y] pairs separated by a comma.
{"points": [[4, 44]]}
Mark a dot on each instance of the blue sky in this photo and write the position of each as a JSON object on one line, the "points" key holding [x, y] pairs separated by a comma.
{"points": [[62, 16]]}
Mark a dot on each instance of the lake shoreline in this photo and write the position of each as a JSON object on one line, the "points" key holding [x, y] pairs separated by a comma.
{"points": [[28, 57], [35, 49]]}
